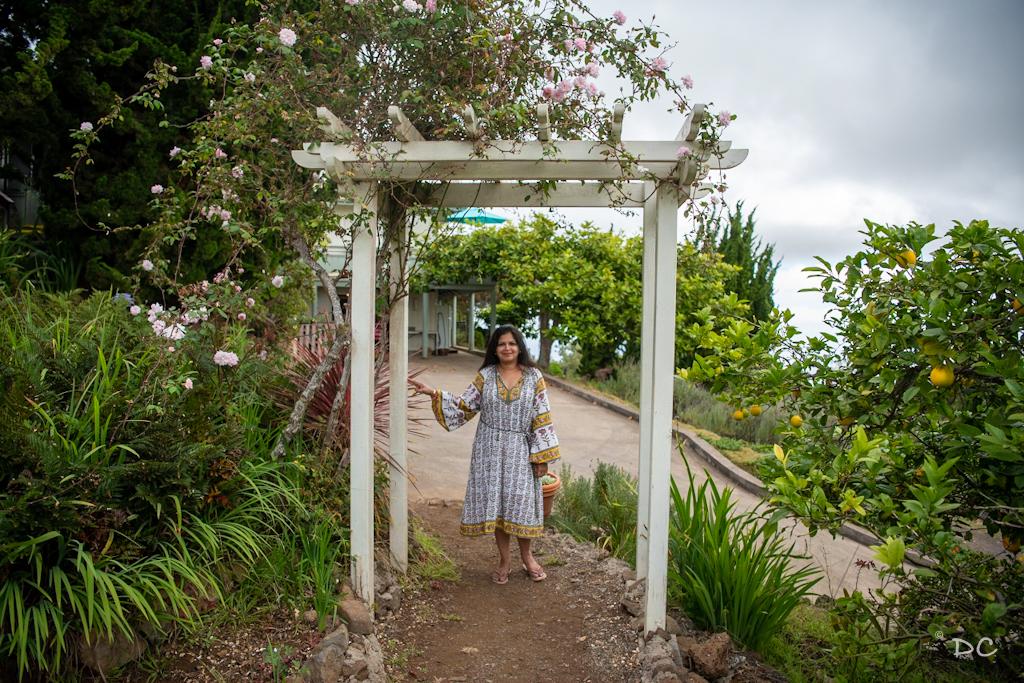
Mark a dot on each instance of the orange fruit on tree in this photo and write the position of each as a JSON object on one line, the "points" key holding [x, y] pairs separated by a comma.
{"points": [[795, 421], [1010, 543], [906, 258], [755, 410], [737, 414], [942, 376]]}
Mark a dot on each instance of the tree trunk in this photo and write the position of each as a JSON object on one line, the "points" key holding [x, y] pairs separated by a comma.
{"points": [[544, 360], [341, 337]]}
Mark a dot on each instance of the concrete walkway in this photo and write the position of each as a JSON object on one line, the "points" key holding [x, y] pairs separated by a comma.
{"points": [[591, 434]]}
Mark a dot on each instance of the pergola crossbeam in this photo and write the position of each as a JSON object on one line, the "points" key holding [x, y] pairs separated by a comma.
{"points": [[543, 123], [691, 126], [562, 195], [404, 130], [473, 128], [616, 132]]}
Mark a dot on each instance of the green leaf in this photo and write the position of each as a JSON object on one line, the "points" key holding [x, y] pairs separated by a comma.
{"points": [[891, 553]]}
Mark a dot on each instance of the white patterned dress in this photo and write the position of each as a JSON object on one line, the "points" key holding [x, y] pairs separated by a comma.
{"points": [[515, 430]]}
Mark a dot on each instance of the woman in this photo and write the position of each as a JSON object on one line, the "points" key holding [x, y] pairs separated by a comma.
{"points": [[514, 443]]}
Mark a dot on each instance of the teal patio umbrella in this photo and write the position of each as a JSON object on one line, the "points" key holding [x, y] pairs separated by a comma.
{"points": [[475, 216]]}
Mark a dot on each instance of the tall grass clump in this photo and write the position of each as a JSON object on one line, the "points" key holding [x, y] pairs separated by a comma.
{"points": [[131, 474], [731, 570], [601, 510]]}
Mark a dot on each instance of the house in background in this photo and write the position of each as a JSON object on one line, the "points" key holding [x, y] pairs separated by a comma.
{"points": [[19, 201], [443, 315]]}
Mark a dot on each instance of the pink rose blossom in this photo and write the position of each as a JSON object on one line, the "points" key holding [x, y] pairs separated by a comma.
{"points": [[412, 5], [565, 86], [286, 36], [580, 43], [259, 50], [170, 349], [175, 151], [592, 89], [220, 154], [687, 81], [619, 17], [218, 42], [558, 95], [683, 152], [430, 6], [659, 64], [593, 69], [250, 302], [157, 189], [352, 2], [277, 281], [206, 61], [241, 316], [147, 266], [188, 383], [250, 77], [135, 310], [724, 118], [714, 199], [237, 172], [225, 358], [580, 82], [159, 326], [86, 126], [547, 90], [273, 140], [225, 215]]}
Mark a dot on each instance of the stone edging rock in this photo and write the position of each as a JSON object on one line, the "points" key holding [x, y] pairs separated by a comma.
{"points": [[352, 652]]}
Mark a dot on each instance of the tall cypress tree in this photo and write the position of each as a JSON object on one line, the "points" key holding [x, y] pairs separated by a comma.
{"points": [[734, 239]]}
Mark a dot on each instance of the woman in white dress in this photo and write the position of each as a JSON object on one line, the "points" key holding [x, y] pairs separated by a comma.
{"points": [[514, 443]]}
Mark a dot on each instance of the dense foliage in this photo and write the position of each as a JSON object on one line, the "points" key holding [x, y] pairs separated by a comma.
{"points": [[65, 62], [583, 285], [909, 420]]}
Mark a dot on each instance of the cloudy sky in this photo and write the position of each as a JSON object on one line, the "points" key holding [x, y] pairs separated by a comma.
{"points": [[894, 111]]}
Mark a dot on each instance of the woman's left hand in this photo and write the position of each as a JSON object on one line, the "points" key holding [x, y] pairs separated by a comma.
{"points": [[539, 469]]}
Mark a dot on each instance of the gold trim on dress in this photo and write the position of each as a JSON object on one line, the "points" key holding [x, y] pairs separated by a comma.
{"points": [[542, 420], [506, 393], [488, 527], [546, 455], [435, 403]]}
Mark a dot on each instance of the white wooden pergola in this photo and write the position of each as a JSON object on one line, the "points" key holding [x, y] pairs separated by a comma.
{"points": [[649, 175]]}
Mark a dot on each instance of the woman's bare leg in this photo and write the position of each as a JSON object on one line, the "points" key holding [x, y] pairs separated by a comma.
{"points": [[501, 538], [527, 555]]}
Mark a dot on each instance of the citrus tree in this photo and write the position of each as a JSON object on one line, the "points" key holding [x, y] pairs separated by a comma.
{"points": [[907, 418]]}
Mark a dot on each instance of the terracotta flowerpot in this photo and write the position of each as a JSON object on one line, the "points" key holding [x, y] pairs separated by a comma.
{"points": [[549, 491]]}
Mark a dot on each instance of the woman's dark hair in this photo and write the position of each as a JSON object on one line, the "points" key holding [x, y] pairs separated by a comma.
{"points": [[491, 355]]}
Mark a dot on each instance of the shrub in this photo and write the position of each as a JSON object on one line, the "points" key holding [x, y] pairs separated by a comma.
{"points": [[731, 570], [122, 490], [601, 511]]}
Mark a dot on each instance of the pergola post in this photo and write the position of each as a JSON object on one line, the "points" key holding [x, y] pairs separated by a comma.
{"points": [[662, 373], [398, 363], [455, 316], [650, 245], [363, 315], [425, 311], [471, 323]]}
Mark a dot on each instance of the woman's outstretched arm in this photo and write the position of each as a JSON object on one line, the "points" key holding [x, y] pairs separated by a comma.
{"points": [[452, 411]]}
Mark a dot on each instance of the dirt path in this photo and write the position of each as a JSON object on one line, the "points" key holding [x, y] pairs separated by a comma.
{"points": [[567, 628]]}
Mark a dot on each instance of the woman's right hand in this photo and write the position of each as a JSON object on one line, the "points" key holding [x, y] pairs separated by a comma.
{"points": [[421, 388]]}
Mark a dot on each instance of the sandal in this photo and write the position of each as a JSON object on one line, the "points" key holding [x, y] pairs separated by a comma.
{"points": [[499, 577], [535, 576]]}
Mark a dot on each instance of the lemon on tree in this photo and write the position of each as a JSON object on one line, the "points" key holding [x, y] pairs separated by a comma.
{"points": [[942, 376], [795, 421], [906, 258]]}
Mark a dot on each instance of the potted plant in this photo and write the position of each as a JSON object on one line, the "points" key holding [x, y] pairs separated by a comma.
{"points": [[550, 483]]}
